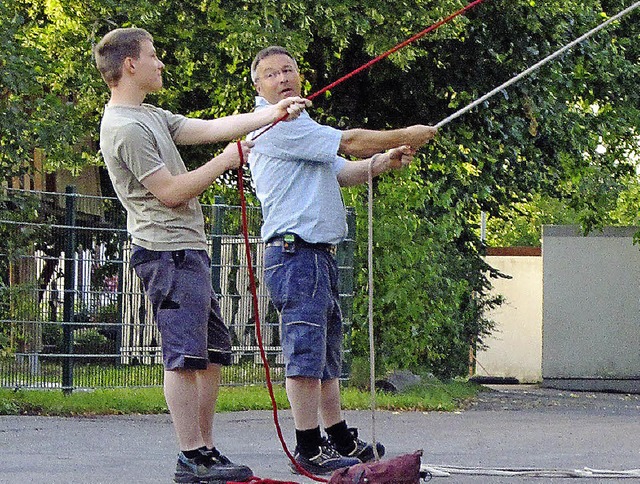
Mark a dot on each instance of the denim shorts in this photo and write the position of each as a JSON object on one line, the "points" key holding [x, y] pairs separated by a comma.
{"points": [[178, 284], [303, 287]]}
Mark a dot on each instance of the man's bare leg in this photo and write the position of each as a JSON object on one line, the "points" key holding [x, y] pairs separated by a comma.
{"points": [[304, 398], [181, 394], [208, 382], [330, 408]]}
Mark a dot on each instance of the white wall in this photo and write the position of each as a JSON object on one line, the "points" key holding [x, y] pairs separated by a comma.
{"points": [[515, 347]]}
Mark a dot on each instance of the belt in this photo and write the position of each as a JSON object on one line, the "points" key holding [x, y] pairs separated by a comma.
{"points": [[278, 241]]}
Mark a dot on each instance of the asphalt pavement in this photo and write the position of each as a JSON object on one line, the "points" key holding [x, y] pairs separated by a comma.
{"points": [[512, 427]]}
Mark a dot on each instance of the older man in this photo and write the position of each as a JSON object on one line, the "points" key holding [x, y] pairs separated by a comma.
{"points": [[298, 173]]}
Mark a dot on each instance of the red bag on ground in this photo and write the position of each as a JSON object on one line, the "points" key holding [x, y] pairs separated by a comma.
{"points": [[404, 469]]}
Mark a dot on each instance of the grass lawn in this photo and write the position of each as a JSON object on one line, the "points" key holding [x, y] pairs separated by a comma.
{"points": [[427, 396]]}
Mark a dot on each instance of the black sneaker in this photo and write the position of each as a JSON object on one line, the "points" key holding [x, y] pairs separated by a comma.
{"points": [[210, 467], [326, 461], [359, 448], [220, 460]]}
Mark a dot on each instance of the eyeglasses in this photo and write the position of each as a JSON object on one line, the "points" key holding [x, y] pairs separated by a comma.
{"points": [[273, 75]]}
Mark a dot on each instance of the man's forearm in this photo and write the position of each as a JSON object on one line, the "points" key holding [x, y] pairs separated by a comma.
{"points": [[228, 128], [174, 190], [208, 131], [363, 143], [357, 172]]}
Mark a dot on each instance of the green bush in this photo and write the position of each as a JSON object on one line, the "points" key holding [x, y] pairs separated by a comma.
{"points": [[430, 281], [91, 341]]}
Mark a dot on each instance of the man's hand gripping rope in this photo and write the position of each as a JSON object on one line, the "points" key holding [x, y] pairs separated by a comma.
{"points": [[288, 109]]}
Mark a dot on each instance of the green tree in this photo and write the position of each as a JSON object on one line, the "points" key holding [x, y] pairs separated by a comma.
{"points": [[567, 134], [31, 111]]}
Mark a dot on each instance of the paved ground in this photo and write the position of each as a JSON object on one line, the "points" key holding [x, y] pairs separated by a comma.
{"points": [[510, 426]]}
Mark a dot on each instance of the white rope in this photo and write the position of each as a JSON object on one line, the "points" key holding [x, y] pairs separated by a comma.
{"points": [[447, 471], [539, 64], [587, 472], [372, 357]]}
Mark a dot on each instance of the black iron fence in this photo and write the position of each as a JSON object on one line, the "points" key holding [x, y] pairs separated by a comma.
{"points": [[73, 313]]}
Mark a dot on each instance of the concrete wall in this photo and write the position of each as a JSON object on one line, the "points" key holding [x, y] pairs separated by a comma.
{"points": [[591, 313], [515, 347]]}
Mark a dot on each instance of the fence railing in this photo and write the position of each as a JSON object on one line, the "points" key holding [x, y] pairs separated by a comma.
{"points": [[73, 313]]}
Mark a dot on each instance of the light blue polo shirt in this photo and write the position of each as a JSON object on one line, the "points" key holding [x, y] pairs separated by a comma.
{"points": [[294, 166]]}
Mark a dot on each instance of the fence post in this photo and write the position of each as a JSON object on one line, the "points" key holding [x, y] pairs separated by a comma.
{"points": [[216, 243], [346, 261], [69, 287], [122, 240]]}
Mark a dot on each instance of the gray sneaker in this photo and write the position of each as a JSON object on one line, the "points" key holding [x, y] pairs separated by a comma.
{"points": [[211, 468], [327, 460], [359, 448]]}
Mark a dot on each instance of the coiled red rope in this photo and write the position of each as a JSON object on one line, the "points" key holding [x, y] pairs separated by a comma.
{"points": [[245, 230]]}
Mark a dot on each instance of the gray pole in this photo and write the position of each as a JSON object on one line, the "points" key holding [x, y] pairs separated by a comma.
{"points": [[216, 241], [69, 287]]}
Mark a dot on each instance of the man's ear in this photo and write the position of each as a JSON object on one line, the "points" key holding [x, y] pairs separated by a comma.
{"points": [[257, 86], [128, 64]]}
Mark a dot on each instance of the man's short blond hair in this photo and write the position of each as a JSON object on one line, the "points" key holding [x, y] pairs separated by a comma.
{"points": [[114, 48]]}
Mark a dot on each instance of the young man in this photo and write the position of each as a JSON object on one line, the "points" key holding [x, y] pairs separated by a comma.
{"points": [[138, 142], [298, 174]]}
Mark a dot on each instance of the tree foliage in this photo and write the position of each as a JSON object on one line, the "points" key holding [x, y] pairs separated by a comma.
{"points": [[567, 134]]}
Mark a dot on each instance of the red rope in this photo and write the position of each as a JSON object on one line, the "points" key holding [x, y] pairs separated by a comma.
{"points": [[410, 40], [245, 230], [401, 45], [256, 312]]}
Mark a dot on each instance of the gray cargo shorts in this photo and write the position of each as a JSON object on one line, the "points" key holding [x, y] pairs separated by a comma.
{"points": [[185, 308]]}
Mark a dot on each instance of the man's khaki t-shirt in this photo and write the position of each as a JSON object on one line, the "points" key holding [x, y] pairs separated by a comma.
{"points": [[136, 142]]}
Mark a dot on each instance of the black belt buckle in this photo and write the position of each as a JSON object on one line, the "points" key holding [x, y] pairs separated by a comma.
{"points": [[289, 243]]}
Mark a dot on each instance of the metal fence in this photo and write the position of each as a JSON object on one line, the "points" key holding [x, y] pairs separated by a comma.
{"points": [[73, 313]]}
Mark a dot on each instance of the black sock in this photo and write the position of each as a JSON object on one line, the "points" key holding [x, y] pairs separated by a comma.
{"points": [[340, 436], [192, 454], [308, 441]]}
